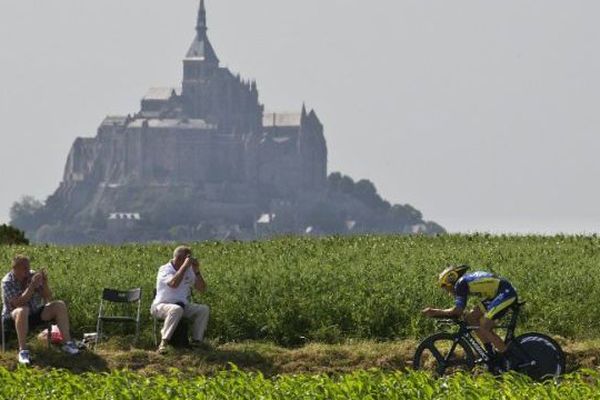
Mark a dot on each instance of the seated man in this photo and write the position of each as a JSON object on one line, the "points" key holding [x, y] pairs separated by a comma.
{"points": [[496, 295], [22, 293], [173, 286]]}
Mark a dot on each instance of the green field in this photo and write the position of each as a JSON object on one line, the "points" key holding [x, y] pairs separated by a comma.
{"points": [[59, 385], [364, 293], [293, 290]]}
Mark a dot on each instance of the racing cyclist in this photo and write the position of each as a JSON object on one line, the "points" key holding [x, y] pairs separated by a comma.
{"points": [[496, 295]]}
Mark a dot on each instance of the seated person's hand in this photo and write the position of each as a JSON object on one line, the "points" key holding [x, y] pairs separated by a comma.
{"points": [[188, 262]]}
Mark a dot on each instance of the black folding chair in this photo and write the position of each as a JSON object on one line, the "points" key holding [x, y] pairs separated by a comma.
{"points": [[121, 298], [7, 326]]}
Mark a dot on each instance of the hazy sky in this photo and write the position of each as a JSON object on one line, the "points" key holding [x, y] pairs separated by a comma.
{"points": [[481, 114]]}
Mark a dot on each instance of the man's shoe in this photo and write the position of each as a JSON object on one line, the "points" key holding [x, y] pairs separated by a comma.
{"points": [[164, 348], [70, 348], [24, 357]]}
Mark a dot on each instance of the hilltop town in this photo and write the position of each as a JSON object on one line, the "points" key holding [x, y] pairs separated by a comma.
{"points": [[204, 161]]}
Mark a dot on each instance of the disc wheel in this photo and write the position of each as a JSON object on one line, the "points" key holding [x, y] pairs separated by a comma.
{"points": [[536, 355]]}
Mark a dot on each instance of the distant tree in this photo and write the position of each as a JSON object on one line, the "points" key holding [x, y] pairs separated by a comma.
{"points": [[365, 191], [23, 213], [383, 213], [416, 214], [334, 180], [12, 236], [346, 185], [434, 228], [405, 214]]}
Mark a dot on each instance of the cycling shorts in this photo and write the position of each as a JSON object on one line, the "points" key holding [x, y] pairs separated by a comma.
{"points": [[498, 306]]}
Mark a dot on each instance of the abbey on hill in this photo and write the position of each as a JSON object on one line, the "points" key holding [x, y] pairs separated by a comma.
{"points": [[204, 161]]}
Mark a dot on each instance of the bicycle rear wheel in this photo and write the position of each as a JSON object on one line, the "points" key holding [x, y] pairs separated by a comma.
{"points": [[442, 354], [536, 355]]}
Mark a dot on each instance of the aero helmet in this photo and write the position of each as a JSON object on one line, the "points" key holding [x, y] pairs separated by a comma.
{"points": [[450, 275]]}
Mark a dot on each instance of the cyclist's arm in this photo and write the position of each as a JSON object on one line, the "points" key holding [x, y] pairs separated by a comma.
{"points": [[453, 312], [460, 302]]}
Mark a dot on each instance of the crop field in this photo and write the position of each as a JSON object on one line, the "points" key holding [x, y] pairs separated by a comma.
{"points": [[293, 290], [59, 385], [363, 293]]}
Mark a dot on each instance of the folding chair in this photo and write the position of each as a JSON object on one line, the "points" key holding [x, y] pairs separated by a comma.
{"points": [[7, 326], [123, 298]]}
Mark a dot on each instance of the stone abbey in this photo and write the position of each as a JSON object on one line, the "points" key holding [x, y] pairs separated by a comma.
{"points": [[199, 161]]}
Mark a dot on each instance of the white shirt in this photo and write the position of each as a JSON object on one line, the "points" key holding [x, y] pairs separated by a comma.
{"points": [[169, 295]]}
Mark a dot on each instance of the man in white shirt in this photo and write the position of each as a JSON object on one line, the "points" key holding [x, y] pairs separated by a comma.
{"points": [[173, 286]]}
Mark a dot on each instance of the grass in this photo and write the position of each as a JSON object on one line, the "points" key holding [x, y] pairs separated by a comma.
{"points": [[312, 318], [268, 358], [293, 291]]}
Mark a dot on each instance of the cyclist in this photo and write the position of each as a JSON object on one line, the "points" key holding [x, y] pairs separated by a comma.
{"points": [[496, 294]]}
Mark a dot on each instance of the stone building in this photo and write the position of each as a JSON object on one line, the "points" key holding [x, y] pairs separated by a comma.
{"points": [[197, 161], [208, 139]]}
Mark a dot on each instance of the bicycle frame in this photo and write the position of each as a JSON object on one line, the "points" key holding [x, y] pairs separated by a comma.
{"points": [[473, 343], [465, 333]]}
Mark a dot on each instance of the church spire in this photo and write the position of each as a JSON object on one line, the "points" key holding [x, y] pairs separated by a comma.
{"points": [[201, 49], [201, 24]]}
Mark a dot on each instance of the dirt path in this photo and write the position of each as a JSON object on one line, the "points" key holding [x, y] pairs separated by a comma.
{"points": [[264, 357]]}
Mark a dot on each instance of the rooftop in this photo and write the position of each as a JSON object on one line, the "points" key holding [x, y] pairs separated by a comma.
{"points": [[282, 119], [160, 93], [173, 123], [115, 120]]}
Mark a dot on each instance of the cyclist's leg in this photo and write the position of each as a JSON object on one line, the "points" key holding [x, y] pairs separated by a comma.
{"points": [[497, 308], [487, 334], [474, 318]]}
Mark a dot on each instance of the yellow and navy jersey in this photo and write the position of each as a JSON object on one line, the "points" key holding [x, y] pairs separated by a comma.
{"points": [[484, 285]]}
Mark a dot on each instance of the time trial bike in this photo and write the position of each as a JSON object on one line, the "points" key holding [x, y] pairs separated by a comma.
{"points": [[533, 354]]}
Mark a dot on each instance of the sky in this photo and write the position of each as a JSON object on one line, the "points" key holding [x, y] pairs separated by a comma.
{"points": [[483, 115]]}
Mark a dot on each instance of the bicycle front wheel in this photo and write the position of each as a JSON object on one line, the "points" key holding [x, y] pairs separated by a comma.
{"points": [[537, 356], [443, 354]]}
